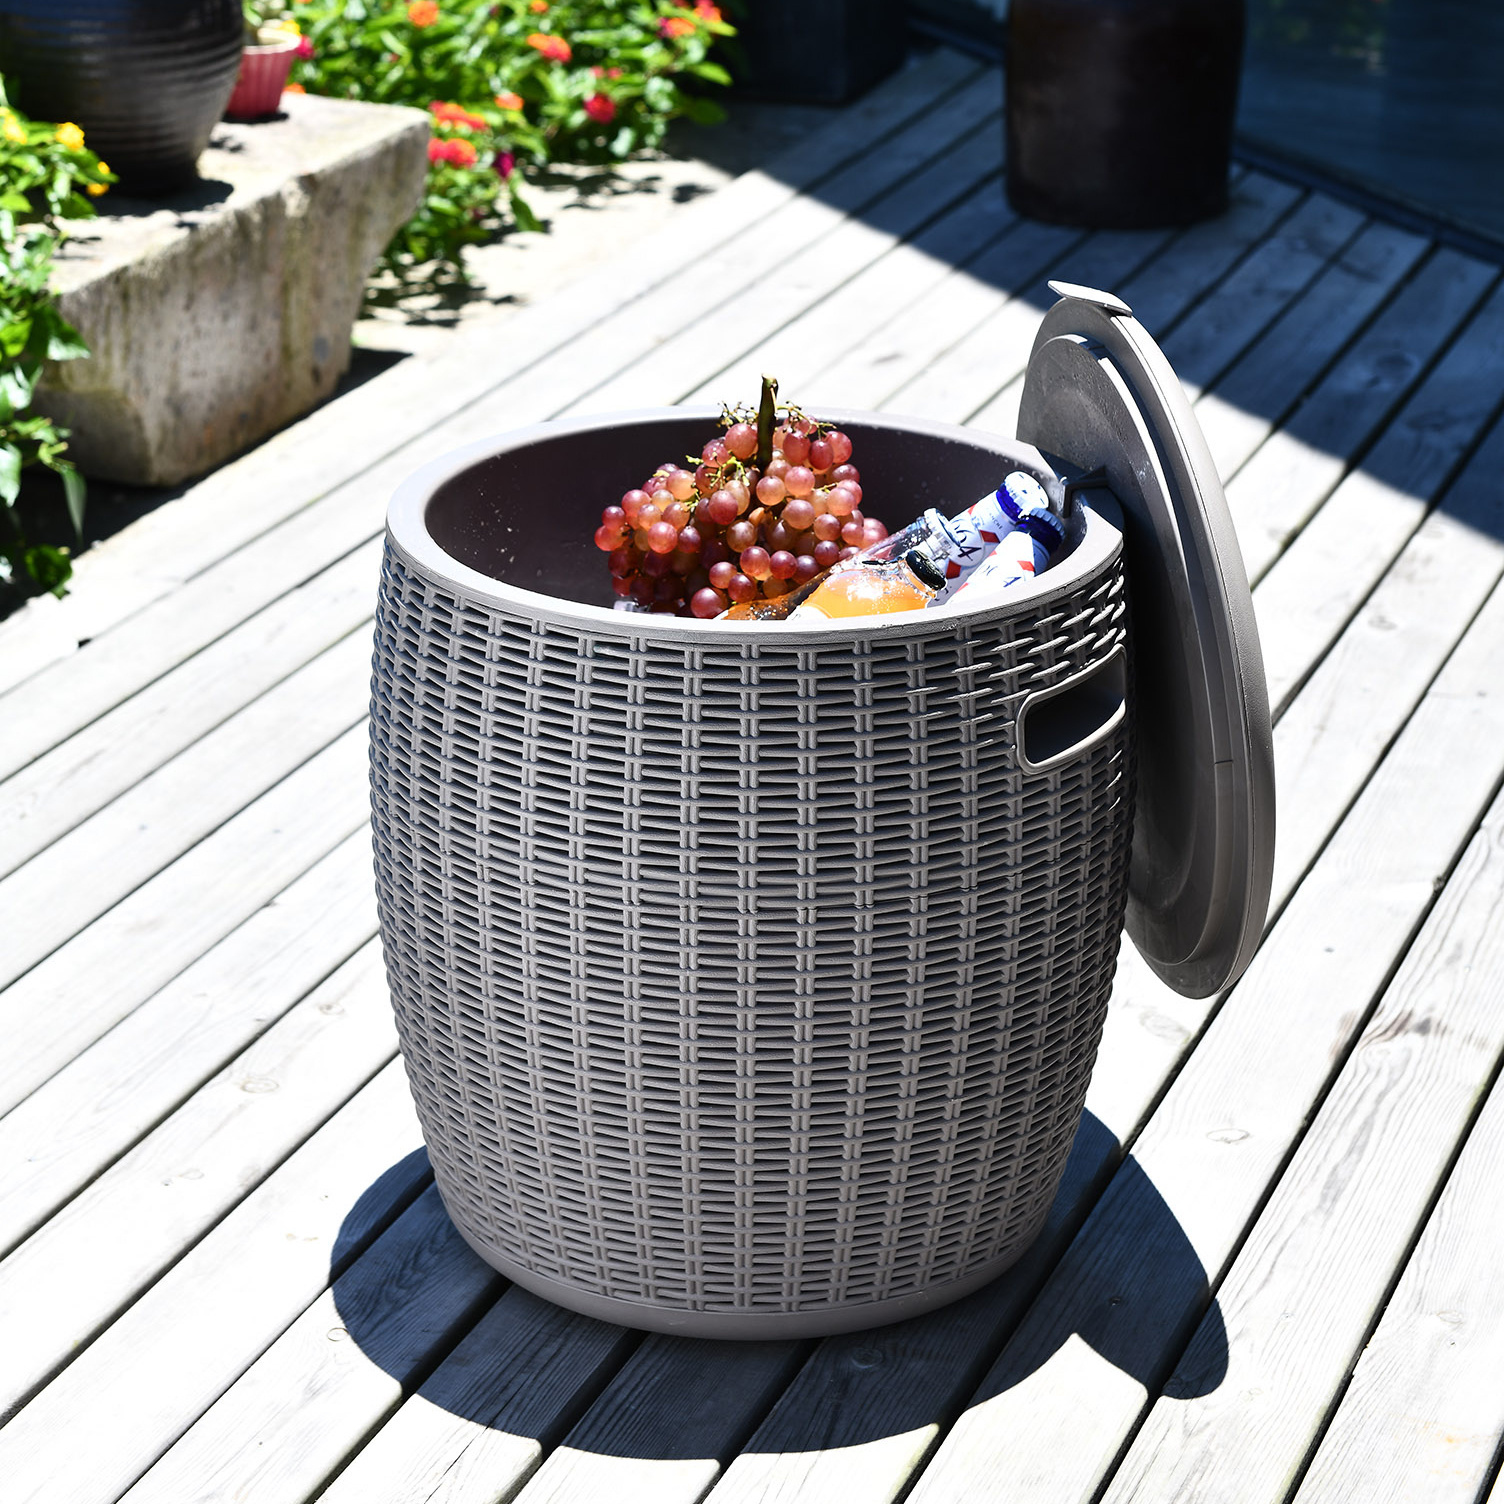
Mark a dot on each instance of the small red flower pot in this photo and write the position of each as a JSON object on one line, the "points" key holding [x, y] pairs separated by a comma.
{"points": [[263, 76]]}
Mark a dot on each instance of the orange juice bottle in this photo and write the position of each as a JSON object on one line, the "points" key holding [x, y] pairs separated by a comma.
{"points": [[876, 587]]}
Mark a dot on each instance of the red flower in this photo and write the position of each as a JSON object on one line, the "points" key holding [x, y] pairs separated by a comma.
{"points": [[505, 162], [601, 108], [305, 47], [706, 11], [460, 152], [555, 49], [676, 26], [509, 101], [423, 12]]}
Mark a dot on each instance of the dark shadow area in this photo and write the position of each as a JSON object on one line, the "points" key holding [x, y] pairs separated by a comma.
{"points": [[1403, 97], [377, 1207], [202, 193], [850, 1389]]}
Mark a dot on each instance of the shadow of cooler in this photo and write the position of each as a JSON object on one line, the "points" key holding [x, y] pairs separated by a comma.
{"points": [[749, 977]]}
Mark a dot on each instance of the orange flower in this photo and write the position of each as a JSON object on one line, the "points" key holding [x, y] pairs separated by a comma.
{"points": [[509, 101], [537, 6], [453, 114], [423, 12], [293, 89], [706, 11], [555, 49], [676, 26]]}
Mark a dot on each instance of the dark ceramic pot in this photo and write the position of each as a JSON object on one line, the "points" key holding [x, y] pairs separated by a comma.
{"points": [[819, 51], [1120, 112], [145, 79]]}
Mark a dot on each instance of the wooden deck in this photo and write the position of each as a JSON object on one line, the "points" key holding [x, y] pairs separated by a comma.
{"points": [[1272, 1271]]}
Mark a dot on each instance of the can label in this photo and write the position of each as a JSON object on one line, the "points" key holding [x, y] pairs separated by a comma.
{"points": [[976, 532], [1025, 552]]}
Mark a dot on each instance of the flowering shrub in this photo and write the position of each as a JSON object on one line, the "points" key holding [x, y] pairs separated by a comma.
{"points": [[42, 170], [511, 85]]}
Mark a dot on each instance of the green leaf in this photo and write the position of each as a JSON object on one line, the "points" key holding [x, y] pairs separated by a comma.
{"points": [[50, 567], [10, 473], [711, 72], [14, 334], [522, 212], [65, 342], [702, 111], [17, 203], [76, 493]]}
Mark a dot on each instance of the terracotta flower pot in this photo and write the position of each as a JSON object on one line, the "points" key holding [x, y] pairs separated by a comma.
{"points": [[263, 77]]}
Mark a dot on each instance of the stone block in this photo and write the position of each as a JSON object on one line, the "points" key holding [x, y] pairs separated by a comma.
{"points": [[219, 315]]}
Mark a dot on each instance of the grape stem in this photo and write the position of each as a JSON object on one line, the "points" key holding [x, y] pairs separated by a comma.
{"points": [[766, 414]]}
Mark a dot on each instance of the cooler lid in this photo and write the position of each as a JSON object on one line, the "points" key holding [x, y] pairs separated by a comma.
{"points": [[1099, 393]]}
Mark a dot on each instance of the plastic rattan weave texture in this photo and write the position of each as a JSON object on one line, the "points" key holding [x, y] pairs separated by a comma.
{"points": [[750, 978]]}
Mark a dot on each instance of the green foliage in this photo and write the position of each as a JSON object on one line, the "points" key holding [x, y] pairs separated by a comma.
{"points": [[46, 177], [513, 86]]}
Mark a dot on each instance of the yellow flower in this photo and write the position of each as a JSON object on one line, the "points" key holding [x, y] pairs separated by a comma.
{"points": [[12, 128], [95, 189], [70, 136]]}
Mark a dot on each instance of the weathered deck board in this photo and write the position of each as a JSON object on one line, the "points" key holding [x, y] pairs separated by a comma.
{"points": [[1385, 659], [1268, 279], [162, 1363], [287, 1424], [1348, 376], [1275, 493], [97, 1106], [1250, 401], [169, 922], [182, 1177], [66, 785], [1248, 1398], [972, 234], [1367, 521], [993, 352], [1424, 1415], [47, 901], [482, 1424], [802, 284]]}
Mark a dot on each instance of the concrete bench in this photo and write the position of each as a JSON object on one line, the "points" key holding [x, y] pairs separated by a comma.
{"points": [[218, 315]]}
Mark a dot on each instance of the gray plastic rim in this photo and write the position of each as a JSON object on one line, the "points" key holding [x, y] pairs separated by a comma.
{"points": [[1201, 939], [408, 531]]}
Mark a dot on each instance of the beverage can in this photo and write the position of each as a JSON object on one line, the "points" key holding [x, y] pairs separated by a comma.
{"points": [[1023, 553]]}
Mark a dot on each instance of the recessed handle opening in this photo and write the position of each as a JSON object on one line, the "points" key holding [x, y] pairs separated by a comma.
{"points": [[1059, 723]]}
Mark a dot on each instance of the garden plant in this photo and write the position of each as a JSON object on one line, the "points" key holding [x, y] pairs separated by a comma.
{"points": [[47, 176], [512, 85]]}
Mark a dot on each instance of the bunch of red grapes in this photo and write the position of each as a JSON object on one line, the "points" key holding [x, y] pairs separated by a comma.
{"points": [[694, 542]]}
